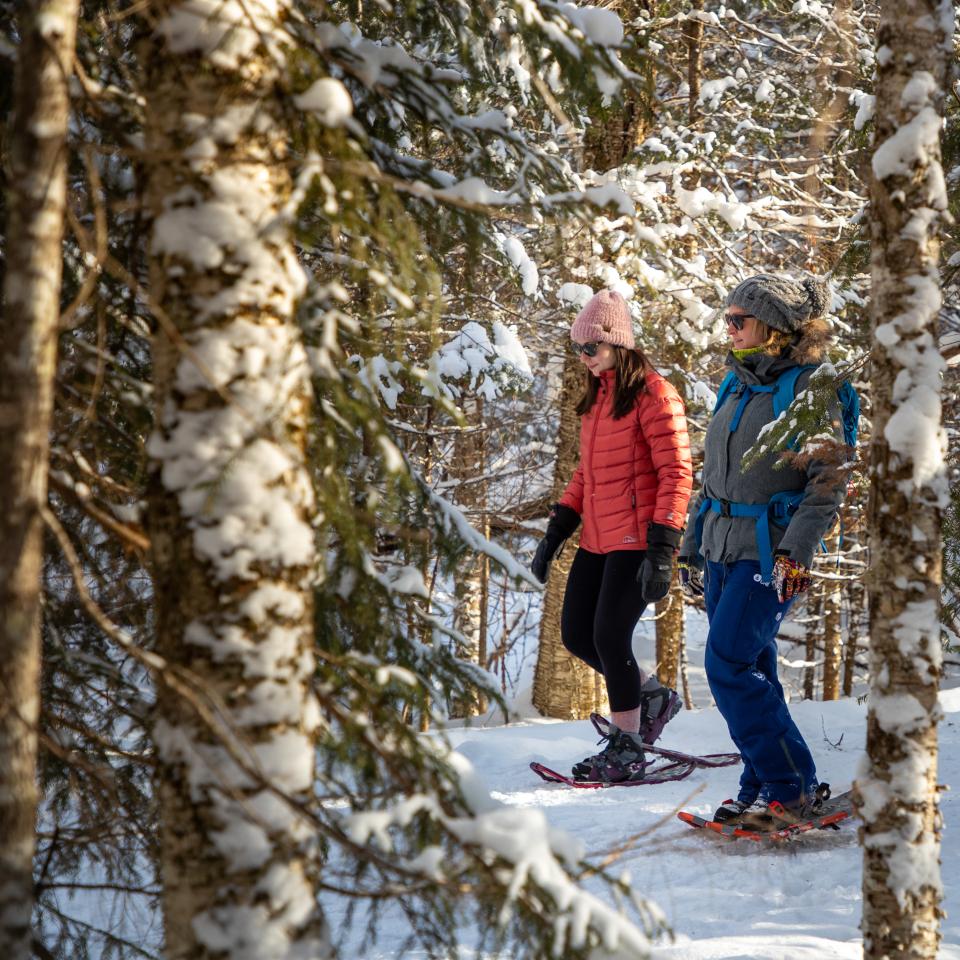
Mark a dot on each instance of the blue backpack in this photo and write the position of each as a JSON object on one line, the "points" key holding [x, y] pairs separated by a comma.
{"points": [[783, 505], [784, 390]]}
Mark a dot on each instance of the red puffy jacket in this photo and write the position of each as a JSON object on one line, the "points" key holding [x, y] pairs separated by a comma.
{"points": [[632, 470]]}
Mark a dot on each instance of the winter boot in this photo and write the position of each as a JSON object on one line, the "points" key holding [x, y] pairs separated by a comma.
{"points": [[658, 706], [764, 814], [621, 759], [730, 810]]}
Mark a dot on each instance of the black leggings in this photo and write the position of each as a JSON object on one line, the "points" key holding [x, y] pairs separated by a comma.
{"points": [[601, 607]]}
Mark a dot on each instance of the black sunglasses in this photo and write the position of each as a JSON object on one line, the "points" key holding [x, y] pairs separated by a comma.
{"points": [[590, 349], [737, 320]]}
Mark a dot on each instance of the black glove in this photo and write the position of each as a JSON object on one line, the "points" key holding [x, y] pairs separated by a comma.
{"points": [[656, 571], [563, 522]]}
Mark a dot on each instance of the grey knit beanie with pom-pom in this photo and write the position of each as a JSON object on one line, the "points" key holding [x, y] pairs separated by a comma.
{"points": [[781, 302]]}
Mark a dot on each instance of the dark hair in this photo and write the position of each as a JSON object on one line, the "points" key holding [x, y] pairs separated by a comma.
{"points": [[630, 372]]}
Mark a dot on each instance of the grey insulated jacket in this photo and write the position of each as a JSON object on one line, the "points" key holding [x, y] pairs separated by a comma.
{"points": [[727, 539]]}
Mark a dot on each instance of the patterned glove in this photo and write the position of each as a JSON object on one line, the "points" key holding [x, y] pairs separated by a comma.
{"points": [[790, 578], [691, 578]]}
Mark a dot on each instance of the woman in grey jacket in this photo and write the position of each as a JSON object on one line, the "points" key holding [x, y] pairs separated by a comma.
{"points": [[750, 541]]}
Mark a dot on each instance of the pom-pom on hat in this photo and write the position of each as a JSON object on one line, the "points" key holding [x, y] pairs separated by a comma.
{"points": [[782, 303], [606, 317]]}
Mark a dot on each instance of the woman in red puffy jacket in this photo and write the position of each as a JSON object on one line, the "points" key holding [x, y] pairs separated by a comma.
{"points": [[630, 490]]}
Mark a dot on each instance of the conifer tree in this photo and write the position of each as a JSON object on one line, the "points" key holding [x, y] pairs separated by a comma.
{"points": [[369, 149]]}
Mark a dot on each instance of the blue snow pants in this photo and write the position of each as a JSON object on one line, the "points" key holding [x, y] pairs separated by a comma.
{"points": [[741, 665]]}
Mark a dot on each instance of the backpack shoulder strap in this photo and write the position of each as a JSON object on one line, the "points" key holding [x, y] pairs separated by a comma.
{"points": [[850, 410], [786, 387], [729, 385]]}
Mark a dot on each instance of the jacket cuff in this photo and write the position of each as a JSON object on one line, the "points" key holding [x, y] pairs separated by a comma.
{"points": [[798, 551], [660, 535]]}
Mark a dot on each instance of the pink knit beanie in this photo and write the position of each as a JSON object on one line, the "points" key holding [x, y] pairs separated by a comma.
{"points": [[606, 317]]}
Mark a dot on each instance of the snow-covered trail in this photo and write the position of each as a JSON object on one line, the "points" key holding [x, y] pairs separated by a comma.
{"points": [[725, 900]]}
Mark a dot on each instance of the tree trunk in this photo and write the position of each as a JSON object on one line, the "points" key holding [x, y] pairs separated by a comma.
{"points": [[688, 703], [832, 640], [897, 794], [836, 70], [231, 504], [810, 655], [693, 41], [854, 627], [471, 591], [853, 612], [613, 134], [563, 686], [669, 629], [693, 38], [28, 353]]}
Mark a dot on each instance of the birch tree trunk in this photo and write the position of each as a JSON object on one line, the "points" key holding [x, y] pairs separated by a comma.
{"points": [[669, 636], [28, 353], [231, 504], [897, 793], [563, 686], [471, 590]]}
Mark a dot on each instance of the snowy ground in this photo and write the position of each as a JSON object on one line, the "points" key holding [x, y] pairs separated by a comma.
{"points": [[725, 900]]}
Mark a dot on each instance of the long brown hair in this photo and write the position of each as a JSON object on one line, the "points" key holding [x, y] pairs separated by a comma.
{"points": [[631, 367]]}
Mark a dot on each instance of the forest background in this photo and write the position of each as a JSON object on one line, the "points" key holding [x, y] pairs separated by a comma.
{"points": [[304, 396]]}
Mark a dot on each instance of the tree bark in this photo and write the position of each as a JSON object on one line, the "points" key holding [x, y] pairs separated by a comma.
{"points": [[688, 703], [471, 591], [693, 38], [835, 76], [810, 655], [231, 505], [669, 632], [897, 794], [563, 686], [857, 604], [28, 353], [614, 133], [832, 640]]}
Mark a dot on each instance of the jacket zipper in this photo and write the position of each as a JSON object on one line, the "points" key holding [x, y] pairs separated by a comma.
{"points": [[593, 439], [633, 469]]}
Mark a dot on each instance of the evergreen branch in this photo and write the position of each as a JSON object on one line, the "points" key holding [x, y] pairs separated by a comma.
{"points": [[130, 535]]}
